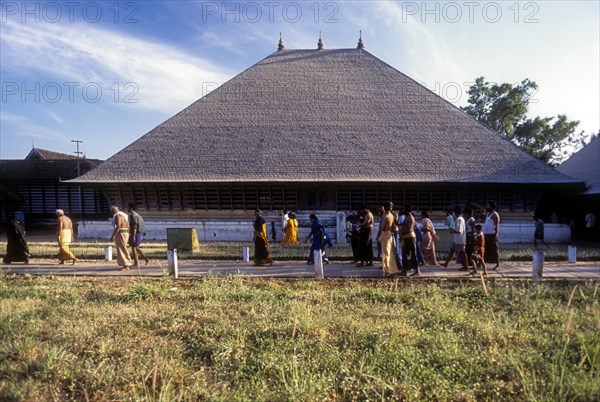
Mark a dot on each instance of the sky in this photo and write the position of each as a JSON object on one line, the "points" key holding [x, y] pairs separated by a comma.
{"points": [[107, 72]]}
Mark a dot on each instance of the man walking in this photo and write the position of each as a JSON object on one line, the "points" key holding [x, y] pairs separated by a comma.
{"points": [[590, 223], [65, 238], [120, 236], [386, 239], [136, 233], [490, 231], [317, 234], [409, 243], [459, 241]]}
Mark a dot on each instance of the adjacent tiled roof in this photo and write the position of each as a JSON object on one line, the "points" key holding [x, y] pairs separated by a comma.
{"points": [[32, 169], [38, 153], [585, 166], [322, 116]]}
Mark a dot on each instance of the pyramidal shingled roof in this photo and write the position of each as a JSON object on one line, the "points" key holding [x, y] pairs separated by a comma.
{"points": [[322, 116]]}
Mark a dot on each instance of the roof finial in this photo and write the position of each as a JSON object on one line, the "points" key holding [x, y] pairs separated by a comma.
{"points": [[361, 45], [280, 47], [320, 42]]}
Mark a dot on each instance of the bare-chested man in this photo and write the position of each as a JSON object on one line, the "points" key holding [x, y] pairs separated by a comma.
{"points": [[65, 238], [120, 222], [386, 239]]}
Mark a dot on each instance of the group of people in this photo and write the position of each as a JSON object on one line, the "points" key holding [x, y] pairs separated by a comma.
{"points": [[17, 249], [474, 244], [128, 229], [403, 244], [396, 239], [289, 225]]}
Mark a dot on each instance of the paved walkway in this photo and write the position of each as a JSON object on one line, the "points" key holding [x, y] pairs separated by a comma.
{"points": [[293, 269]]}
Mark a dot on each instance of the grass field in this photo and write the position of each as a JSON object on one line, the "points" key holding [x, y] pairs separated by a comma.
{"points": [[233, 251], [241, 339]]}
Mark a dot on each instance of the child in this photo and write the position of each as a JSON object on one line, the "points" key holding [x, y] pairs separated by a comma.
{"points": [[478, 250]]}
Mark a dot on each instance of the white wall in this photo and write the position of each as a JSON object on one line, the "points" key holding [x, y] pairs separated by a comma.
{"points": [[510, 232], [523, 232]]}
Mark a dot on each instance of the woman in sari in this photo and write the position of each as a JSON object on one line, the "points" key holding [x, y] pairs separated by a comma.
{"points": [[16, 245], [261, 242], [291, 230], [428, 244]]}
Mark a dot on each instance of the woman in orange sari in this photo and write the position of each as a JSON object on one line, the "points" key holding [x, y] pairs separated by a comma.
{"points": [[291, 230], [261, 241]]}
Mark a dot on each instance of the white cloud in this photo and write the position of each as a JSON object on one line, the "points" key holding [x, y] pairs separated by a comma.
{"points": [[560, 53], [55, 117], [408, 44], [27, 128], [167, 79]]}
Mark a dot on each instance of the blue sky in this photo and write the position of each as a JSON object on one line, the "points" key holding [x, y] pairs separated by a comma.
{"points": [[108, 72]]}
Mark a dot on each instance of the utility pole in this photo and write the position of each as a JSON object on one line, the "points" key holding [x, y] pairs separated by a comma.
{"points": [[78, 153]]}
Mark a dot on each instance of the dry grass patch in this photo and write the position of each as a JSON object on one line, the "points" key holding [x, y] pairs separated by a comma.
{"points": [[254, 339]]}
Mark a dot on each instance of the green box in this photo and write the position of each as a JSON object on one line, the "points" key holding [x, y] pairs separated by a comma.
{"points": [[185, 239]]}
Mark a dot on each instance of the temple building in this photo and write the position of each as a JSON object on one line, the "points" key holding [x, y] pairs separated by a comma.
{"points": [[320, 130]]}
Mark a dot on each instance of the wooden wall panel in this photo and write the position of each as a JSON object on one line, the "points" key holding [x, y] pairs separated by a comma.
{"points": [[188, 197]]}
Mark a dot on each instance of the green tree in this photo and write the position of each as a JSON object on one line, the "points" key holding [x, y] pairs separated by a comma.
{"points": [[504, 107]]}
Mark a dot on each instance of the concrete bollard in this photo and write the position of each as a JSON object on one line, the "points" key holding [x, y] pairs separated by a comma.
{"points": [[246, 254], [572, 254], [107, 253], [318, 256], [172, 263], [538, 266]]}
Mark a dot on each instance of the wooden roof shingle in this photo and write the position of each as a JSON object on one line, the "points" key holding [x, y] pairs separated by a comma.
{"points": [[322, 116]]}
